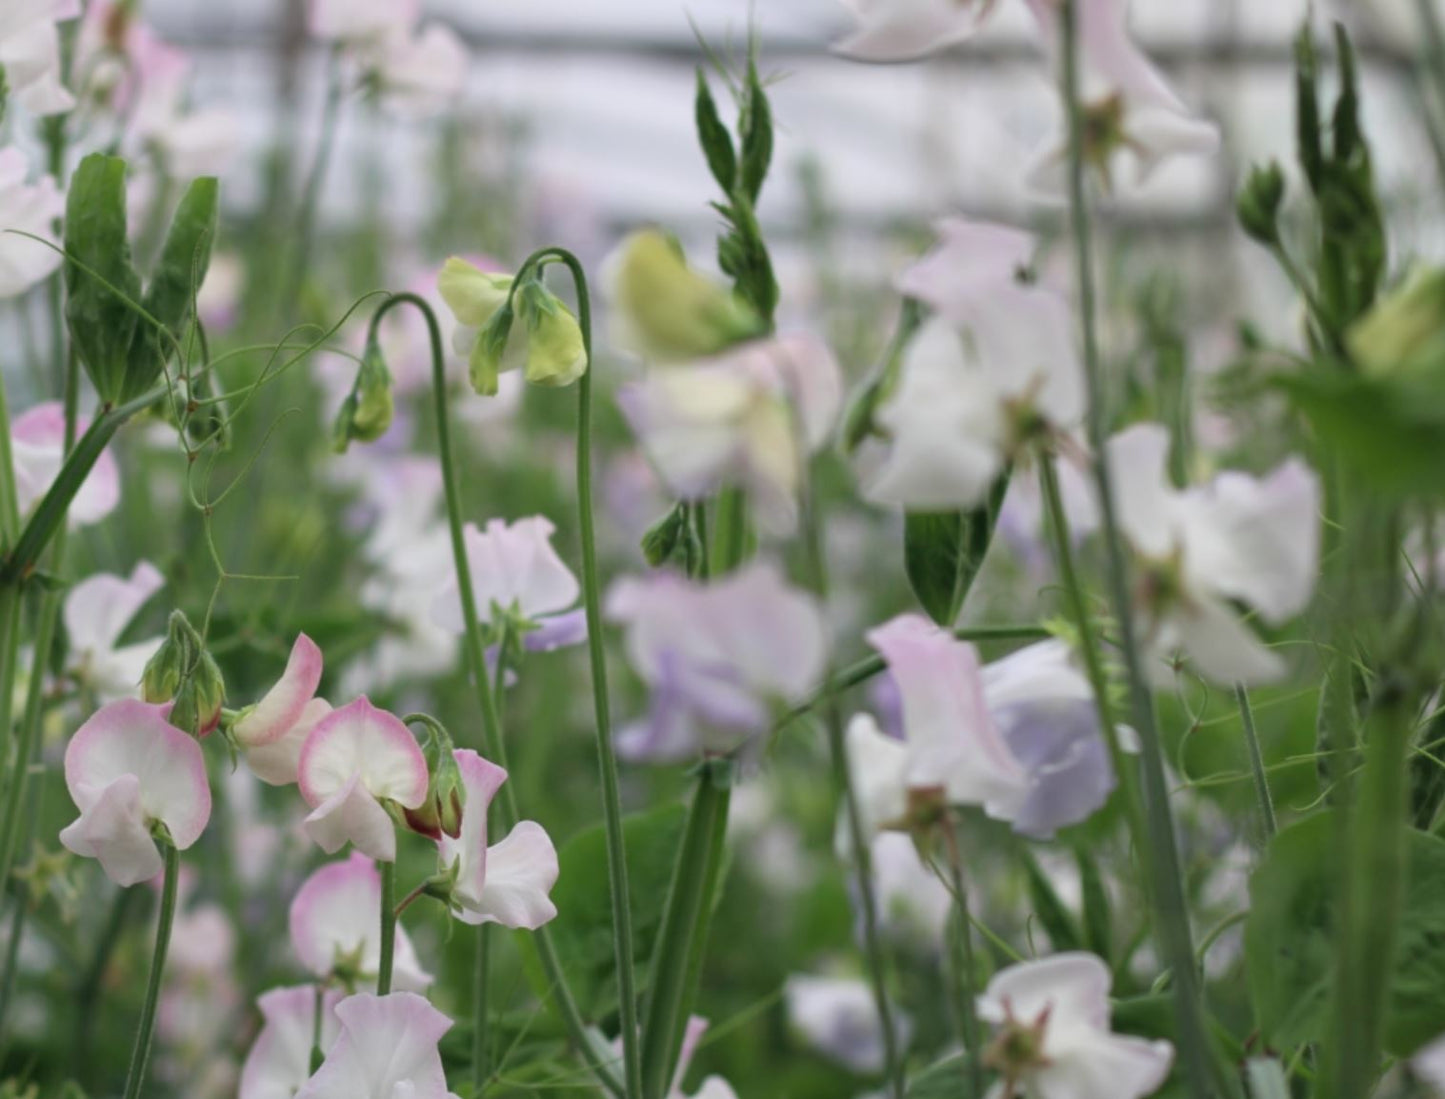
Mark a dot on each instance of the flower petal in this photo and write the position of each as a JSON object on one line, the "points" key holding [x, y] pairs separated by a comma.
{"points": [[352, 815], [112, 828], [279, 1061], [481, 779], [100, 607], [361, 740], [276, 763], [387, 1049], [282, 706], [521, 871]]}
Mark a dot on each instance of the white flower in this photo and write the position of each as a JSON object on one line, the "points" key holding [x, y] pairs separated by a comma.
{"points": [[419, 74], [30, 53], [1429, 1064], [97, 611], [514, 568], [1255, 540], [25, 208], [357, 20], [1055, 1041], [901, 30], [280, 1058], [387, 1049]]}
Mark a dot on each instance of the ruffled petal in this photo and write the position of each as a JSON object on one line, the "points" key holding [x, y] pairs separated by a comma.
{"points": [[352, 815], [279, 1061], [387, 1049], [281, 707], [360, 740], [100, 607], [276, 763], [112, 828], [481, 779], [521, 871]]}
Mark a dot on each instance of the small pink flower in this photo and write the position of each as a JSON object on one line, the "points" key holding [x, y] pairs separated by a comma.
{"points": [[353, 760], [334, 920], [37, 439], [280, 1059], [128, 769], [387, 1048], [508, 882], [272, 732]]}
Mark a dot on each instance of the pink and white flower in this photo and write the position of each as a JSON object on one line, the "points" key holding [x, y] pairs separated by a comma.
{"points": [[418, 73], [37, 442], [96, 612], [30, 208], [902, 30], [129, 771], [715, 655], [30, 53], [1060, 1008], [508, 882], [748, 417], [353, 760], [387, 1049], [335, 929], [279, 1062], [1254, 540], [272, 732]]}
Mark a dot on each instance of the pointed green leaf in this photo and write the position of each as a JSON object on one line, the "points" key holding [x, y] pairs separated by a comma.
{"points": [[757, 135], [717, 143], [943, 551]]}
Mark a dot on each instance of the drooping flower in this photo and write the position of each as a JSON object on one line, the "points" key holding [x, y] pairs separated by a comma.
{"points": [[387, 1049], [128, 771], [97, 611], [748, 417], [1254, 540], [507, 882], [37, 441], [839, 1018], [355, 758], [30, 53], [1019, 737], [272, 732], [902, 30], [714, 655], [279, 1062], [26, 208], [1130, 111], [516, 572], [1053, 1039], [335, 929]]}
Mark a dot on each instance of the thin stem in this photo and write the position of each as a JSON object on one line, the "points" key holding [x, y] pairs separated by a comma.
{"points": [[493, 742], [140, 1055], [388, 926], [1256, 763], [317, 1012], [966, 1005], [481, 981], [1167, 894]]}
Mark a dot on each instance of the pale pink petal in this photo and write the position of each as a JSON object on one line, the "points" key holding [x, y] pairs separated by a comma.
{"points": [[521, 871], [481, 779], [1143, 501], [281, 707], [112, 828], [99, 608], [352, 815], [359, 740], [387, 1050], [1219, 643], [511, 565], [878, 766], [1115, 1066], [969, 262], [276, 763], [902, 30], [772, 632], [280, 1058], [1074, 987], [38, 447]]}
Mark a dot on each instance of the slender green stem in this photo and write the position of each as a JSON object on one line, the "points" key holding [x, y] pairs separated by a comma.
{"points": [[9, 502], [1256, 763], [1167, 894], [493, 743], [318, 1011], [965, 976], [387, 871], [481, 982], [140, 1055]]}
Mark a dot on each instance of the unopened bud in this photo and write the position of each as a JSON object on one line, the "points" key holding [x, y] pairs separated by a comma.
{"points": [[556, 353], [198, 702], [367, 411], [441, 813], [1259, 203], [167, 668]]}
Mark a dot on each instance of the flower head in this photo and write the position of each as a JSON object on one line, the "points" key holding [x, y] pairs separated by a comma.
{"points": [[272, 732], [130, 771], [28, 208], [387, 1049], [901, 30], [96, 613], [37, 441], [356, 758], [335, 931], [715, 655], [507, 882], [279, 1061]]}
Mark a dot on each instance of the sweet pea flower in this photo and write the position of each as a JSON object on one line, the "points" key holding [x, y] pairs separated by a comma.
{"points": [[1238, 538], [271, 733], [96, 612], [37, 443], [508, 882], [418, 74], [25, 208], [387, 1049], [838, 1017], [902, 30], [712, 1087], [1019, 737], [748, 417], [130, 771], [1131, 112], [971, 261], [714, 654], [335, 929], [353, 760], [359, 20], [279, 1062], [516, 572], [1053, 1039], [30, 53]]}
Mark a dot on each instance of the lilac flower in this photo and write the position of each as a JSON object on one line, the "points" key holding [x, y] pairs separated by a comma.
{"points": [[838, 1017]]}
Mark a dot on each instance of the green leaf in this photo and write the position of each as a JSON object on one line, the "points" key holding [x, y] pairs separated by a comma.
{"points": [[582, 930], [943, 551], [102, 321], [1307, 107], [1289, 939], [756, 125], [717, 143], [185, 258], [1098, 915], [1056, 919], [945, 1079]]}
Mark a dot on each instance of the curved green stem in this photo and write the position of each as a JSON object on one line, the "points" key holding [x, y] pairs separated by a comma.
{"points": [[492, 740], [388, 927], [140, 1055]]}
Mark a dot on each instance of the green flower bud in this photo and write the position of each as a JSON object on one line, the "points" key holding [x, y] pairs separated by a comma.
{"points": [[1259, 202], [441, 813], [1406, 328], [667, 311], [666, 536], [367, 411], [556, 352], [198, 702], [489, 355], [165, 671]]}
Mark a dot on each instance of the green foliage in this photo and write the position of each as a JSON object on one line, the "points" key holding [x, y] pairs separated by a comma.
{"points": [[717, 143], [943, 551], [945, 1079], [185, 257], [1290, 939]]}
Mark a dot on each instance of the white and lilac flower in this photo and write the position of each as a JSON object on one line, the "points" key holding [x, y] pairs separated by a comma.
{"points": [[96, 613], [903, 30], [1238, 538], [279, 1061], [354, 759], [129, 770], [387, 1049], [838, 1017], [506, 882], [336, 930], [29, 208], [272, 732], [37, 443], [1054, 1040], [419, 72], [715, 656]]}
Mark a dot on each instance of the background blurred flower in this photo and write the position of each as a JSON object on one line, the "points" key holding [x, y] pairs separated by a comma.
{"points": [[30, 53], [279, 1062], [37, 443], [901, 30], [26, 208], [96, 613]]}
